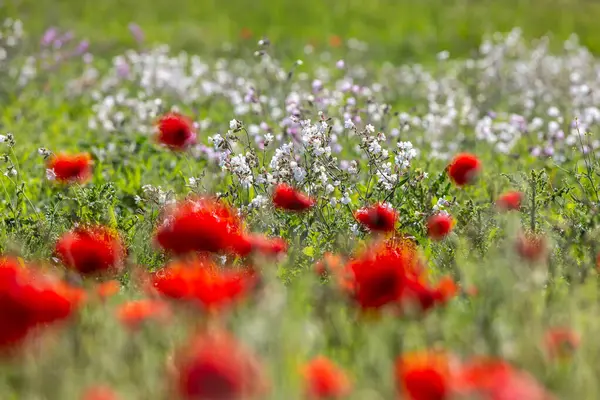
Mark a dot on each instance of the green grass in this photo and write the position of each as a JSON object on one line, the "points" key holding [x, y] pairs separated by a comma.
{"points": [[395, 29]]}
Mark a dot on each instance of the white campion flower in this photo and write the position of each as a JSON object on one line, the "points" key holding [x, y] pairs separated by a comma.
{"points": [[345, 199], [259, 201], [50, 174], [217, 140], [405, 154], [267, 139], [235, 125]]}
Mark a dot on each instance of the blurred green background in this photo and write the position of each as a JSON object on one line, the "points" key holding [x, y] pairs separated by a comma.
{"points": [[395, 29]]}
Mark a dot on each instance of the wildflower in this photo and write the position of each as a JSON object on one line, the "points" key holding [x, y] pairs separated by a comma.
{"points": [[91, 250], [176, 132], [330, 263], [439, 226], [464, 169], [381, 273], [99, 393], [31, 300], [378, 217], [510, 201], [235, 125], [496, 379], [266, 246], [424, 375], [531, 246], [67, 168], [201, 224], [108, 289], [215, 366], [201, 283], [133, 313], [325, 380], [335, 41], [348, 124], [287, 198], [561, 342]]}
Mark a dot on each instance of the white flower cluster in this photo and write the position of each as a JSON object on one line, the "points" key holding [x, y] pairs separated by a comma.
{"points": [[156, 195], [405, 154]]}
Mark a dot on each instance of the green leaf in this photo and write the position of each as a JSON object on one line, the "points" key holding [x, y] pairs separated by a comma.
{"points": [[309, 251]]}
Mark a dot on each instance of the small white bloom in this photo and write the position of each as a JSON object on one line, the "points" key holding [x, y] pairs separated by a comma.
{"points": [[370, 128], [349, 124]]}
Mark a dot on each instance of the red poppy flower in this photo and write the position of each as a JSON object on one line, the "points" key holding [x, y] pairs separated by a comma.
{"points": [[99, 393], [464, 169], [267, 246], [66, 168], [510, 201], [246, 33], [329, 264], [108, 289], [91, 250], [439, 226], [532, 247], [497, 380], [377, 218], [30, 300], [424, 376], [201, 283], [325, 380], [381, 273], [420, 296], [202, 224], [176, 132], [287, 198], [133, 313], [335, 41], [561, 342], [216, 367]]}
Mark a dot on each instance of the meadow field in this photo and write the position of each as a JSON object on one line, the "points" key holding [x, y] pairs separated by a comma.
{"points": [[351, 199]]}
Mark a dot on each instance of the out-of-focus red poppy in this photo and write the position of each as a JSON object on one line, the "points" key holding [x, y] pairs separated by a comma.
{"points": [[439, 226], [246, 33], [392, 273], [107, 289], [267, 246], [378, 217], [424, 375], [201, 283], [287, 198], [497, 380], [381, 273], [510, 201], [70, 168], [561, 342], [31, 300], [532, 246], [133, 313], [329, 264], [215, 366], [176, 132], [335, 41], [99, 393], [325, 380], [91, 250], [464, 169], [202, 225]]}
